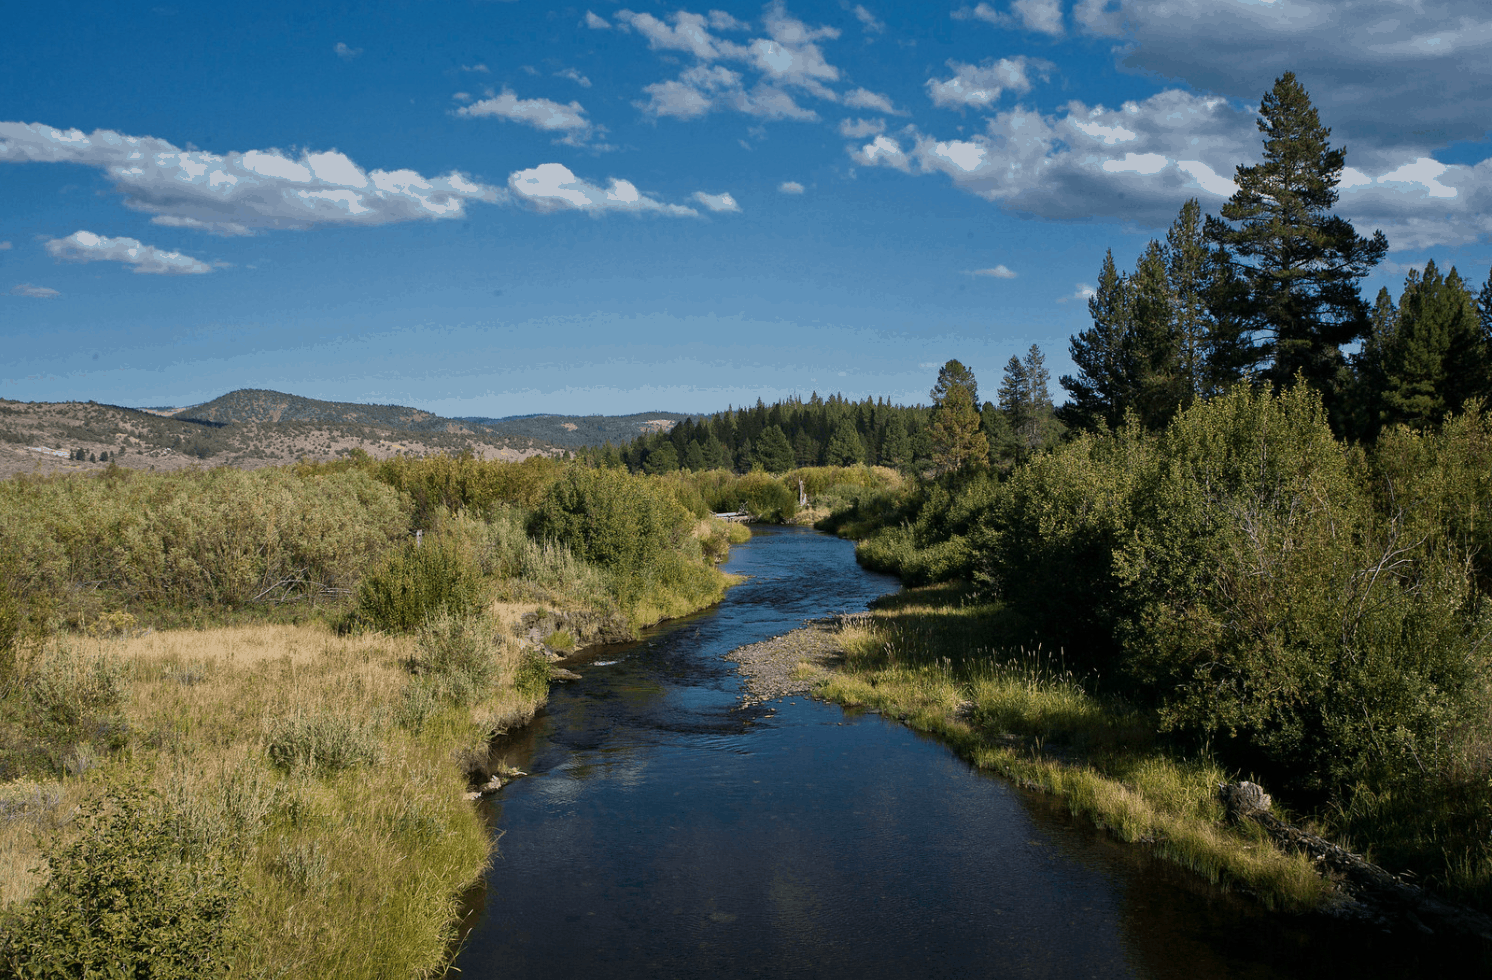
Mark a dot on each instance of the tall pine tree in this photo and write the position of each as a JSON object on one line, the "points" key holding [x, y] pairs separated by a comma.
{"points": [[1297, 264]]}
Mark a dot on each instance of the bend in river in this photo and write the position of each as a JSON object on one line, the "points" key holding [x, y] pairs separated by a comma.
{"points": [[668, 832]]}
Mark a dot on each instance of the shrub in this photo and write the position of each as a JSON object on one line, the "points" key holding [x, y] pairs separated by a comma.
{"points": [[122, 901], [68, 688], [413, 584]]}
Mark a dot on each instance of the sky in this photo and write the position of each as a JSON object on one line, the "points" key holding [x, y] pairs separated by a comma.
{"points": [[503, 208]]}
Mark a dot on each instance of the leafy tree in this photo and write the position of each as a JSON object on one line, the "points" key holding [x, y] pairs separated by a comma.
{"points": [[1298, 265], [957, 442], [845, 447], [774, 451]]}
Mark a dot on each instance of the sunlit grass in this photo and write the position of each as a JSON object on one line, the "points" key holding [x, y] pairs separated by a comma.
{"points": [[1023, 715]]}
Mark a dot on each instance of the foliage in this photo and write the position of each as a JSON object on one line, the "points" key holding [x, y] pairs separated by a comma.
{"points": [[322, 741], [415, 582], [957, 441], [125, 900]]}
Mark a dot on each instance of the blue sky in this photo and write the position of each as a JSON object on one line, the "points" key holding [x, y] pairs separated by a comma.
{"points": [[495, 208]]}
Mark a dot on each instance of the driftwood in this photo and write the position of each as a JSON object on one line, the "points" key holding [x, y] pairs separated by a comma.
{"points": [[1375, 894]]}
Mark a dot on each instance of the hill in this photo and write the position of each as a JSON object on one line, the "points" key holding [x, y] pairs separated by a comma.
{"points": [[258, 405], [581, 430], [245, 429]]}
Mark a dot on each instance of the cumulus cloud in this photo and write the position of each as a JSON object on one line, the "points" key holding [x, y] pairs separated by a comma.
{"points": [[790, 187], [1080, 294], [543, 114], [235, 193], [553, 187], [596, 23], [574, 76], [33, 291], [789, 57], [980, 86], [1139, 162], [717, 202], [1369, 65], [85, 246], [858, 129], [998, 272], [346, 53]]}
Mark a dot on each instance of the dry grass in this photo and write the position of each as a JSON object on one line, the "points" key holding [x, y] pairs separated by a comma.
{"points": [[355, 873]]}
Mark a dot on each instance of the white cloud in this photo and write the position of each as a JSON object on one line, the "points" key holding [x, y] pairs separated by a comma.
{"points": [[702, 89], [35, 292], [544, 114], [858, 129], [1424, 172], [979, 86], [998, 272], [1042, 16], [788, 57], [717, 202], [790, 187], [553, 187], [574, 76], [4, 246], [862, 98], [883, 151], [1080, 294], [85, 246], [346, 53], [596, 23], [868, 20], [235, 192], [1138, 163], [477, 69]]}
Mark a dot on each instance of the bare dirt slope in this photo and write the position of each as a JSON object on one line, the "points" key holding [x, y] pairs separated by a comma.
{"points": [[41, 437]]}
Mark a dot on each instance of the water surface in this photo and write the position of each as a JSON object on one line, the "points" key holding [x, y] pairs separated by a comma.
{"points": [[667, 832]]}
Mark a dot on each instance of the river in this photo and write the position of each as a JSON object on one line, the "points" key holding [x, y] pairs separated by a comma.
{"points": [[664, 832]]}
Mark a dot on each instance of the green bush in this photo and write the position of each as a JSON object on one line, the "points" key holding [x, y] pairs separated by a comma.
{"points": [[414, 583], [323, 743], [68, 688], [123, 900], [1274, 608]]}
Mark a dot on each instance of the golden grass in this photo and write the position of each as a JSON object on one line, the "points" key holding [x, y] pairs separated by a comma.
{"points": [[350, 875], [1025, 718]]}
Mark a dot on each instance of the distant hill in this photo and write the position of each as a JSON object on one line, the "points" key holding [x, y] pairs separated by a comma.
{"points": [[257, 405], [580, 430]]}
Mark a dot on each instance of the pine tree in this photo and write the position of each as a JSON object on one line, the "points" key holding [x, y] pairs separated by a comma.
{"points": [[745, 456], [1099, 389], [774, 451], [694, 456], [1432, 362], [845, 447], [1156, 381], [957, 442], [896, 445], [954, 373], [1298, 265]]}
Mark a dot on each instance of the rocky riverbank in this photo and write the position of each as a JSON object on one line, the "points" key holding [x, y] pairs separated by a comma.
{"points": [[793, 663]]}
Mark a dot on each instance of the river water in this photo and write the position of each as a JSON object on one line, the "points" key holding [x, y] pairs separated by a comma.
{"points": [[665, 832]]}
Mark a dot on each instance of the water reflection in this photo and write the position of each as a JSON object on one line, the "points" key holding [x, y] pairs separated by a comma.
{"points": [[667, 832]]}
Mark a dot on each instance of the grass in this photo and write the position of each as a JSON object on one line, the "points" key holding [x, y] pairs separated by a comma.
{"points": [[286, 744], [923, 657]]}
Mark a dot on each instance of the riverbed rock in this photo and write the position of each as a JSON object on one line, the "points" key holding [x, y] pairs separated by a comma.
{"points": [[1244, 799], [561, 674], [789, 664]]}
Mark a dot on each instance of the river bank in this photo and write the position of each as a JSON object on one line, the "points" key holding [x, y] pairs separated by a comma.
{"points": [[1028, 720]]}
